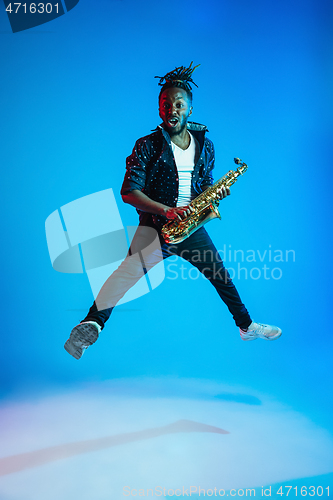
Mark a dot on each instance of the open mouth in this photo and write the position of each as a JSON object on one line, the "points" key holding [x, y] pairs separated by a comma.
{"points": [[172, 122]]}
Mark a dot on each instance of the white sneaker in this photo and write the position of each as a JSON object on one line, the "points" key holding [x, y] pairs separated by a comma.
{"points": [[81, 337], [258, 330]]}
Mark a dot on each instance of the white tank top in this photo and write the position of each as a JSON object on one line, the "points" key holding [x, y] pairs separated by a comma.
{"points": [[185, 164]]}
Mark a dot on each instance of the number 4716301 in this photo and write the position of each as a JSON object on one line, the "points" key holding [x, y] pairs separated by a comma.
{"points": [[40, 8], [304, 491]]}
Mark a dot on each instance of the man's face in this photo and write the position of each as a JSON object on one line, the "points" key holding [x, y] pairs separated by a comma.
{"points": [[174, 109]]}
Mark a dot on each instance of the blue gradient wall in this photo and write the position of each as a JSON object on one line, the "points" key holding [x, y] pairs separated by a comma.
{"points": [[75, 95]]}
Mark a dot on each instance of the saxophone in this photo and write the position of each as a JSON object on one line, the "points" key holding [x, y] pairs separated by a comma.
{"points": [[205, 208]]}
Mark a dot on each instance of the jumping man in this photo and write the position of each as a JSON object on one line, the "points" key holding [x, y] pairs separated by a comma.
{"points": [[166, 170]]}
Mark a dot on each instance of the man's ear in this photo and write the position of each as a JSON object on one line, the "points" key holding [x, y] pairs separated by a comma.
{"points": [[191, 108]]}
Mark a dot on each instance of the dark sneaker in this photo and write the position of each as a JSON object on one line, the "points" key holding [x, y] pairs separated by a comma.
{"points": [[81, 337], [260, 331]]}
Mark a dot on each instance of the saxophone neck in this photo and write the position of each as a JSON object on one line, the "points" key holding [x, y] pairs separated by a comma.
{"points": [[232, 176], [227, 180]]}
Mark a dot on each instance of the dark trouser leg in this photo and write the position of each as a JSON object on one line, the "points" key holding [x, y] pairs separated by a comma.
{"points": [[200, 251], [99, 317]]}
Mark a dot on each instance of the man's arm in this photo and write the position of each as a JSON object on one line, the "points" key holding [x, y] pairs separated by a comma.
{"points": [[142, 202]]}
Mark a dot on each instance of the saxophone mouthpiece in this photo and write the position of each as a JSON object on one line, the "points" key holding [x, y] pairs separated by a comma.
{"points": [[237, 161]]}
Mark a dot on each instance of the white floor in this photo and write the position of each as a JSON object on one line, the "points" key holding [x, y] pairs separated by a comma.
{"points": [[266, 441]]}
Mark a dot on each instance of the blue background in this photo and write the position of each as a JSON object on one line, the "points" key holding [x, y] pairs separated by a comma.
{"points": [[75, 95]]}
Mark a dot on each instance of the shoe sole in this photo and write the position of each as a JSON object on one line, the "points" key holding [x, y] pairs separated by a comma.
{"points": [[273, 337], [85, 333], [73, 351], [249, 338]]}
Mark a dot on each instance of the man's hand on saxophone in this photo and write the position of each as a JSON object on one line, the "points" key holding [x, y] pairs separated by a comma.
{"points": [[186, 210], [141, 201], [223, 192], [178, 212]]}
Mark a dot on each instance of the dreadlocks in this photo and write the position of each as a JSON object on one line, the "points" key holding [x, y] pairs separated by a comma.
{"points": [[179, 77]]}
